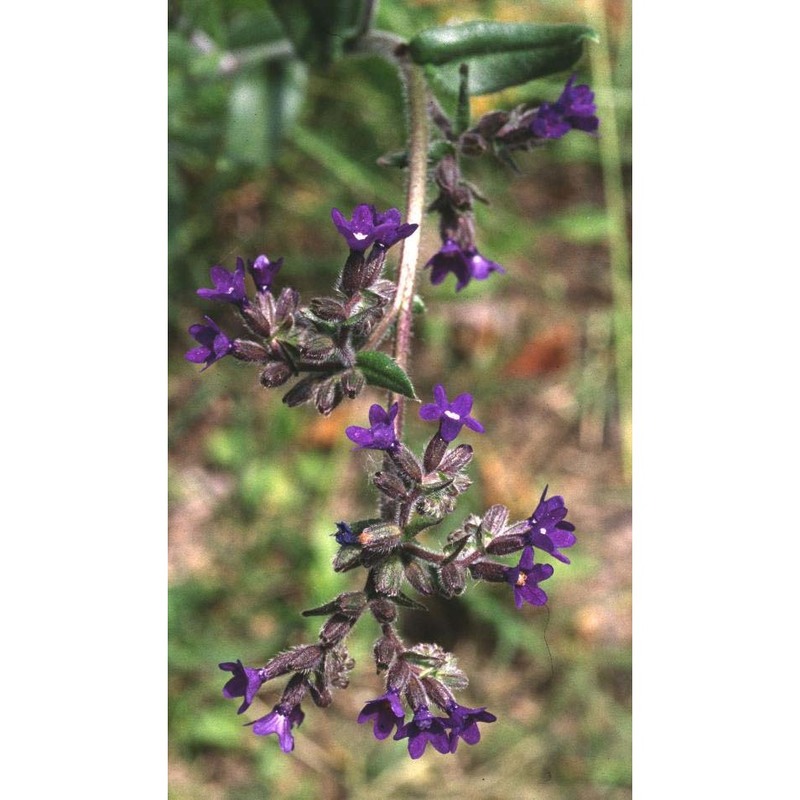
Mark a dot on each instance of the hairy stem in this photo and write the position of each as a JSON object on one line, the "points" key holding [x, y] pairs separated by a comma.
{"points": [[415, 206]]}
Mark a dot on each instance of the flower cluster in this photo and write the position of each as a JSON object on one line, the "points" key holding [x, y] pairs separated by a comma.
{"points": [[330, 345], [318, 343], [417, 494]]}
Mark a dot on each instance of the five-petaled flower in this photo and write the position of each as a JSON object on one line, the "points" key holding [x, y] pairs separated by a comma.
{"points": [[463, 722], [387, 711], [245, 682], [381, 434], [214, 344], [465, 264], [264, 271], [574, 109], [280, 721], [451, 416], [526, 577], [369, 226], [424, 728], [228, 286], [549, 530]]}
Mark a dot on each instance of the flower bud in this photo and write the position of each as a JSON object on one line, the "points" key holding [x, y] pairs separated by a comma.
{"points": [[384, 652], [383, 538], [456, 459], [327, 308], [419, 577], [276, 373], [329, 395], [434, 452], [390, 485], [388, 577], [260, 314], [245, 350], [336, 629], [494, 520], [285, 307], [406, 462], [351, 278], [506, 543], [352, 383], [347, 558], [453, 579], [488, 571], [383, 610]]}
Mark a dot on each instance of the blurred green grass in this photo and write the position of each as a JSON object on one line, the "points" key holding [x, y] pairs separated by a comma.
{"points": [[255, 488]]}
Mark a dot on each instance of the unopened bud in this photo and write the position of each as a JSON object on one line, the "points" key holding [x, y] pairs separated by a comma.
{"points": [[329, 396], [245, 350], [494, 520], [434, 452], [383, 537], [456, 459], [406, 462], [506, 543], [453, 579], [488, 571], [383, 610], [352, 383], [276, 373], [336, 629], [388, 577], [419, 577], [384, 651], [390, 485]]}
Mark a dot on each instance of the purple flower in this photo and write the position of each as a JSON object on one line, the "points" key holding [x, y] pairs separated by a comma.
{"points": [[574, 109], [464, 264], [245, 682], [464, 723], [387, 711], [368, 226], [380, 435], [549, 530], [228, 286], [526, 577], [345, 534], [422, 729], [264, 271], [280, 721], [451, 416], [214, 344]]}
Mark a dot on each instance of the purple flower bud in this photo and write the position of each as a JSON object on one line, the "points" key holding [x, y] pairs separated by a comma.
{"points": [[574, 109], [424, 728], [386, 710], [280, 721], [368, 226], [264, 271], [228, 286], [214, 344], [526, 577], [245, 682], [380, 435], [451, 416], [548, 528]]}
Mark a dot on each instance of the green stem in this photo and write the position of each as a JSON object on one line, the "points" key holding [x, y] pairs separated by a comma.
{"points": [[617, 235]]}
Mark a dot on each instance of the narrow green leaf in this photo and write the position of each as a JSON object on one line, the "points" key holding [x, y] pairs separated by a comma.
{"points": [[382, 370], [497, 54], [448, 43]]}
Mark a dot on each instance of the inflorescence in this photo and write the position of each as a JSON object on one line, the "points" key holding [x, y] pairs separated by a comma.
{"points": [[330, 347]]}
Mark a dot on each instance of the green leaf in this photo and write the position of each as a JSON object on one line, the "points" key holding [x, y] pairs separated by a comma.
{"points": [[382, 370], [498, 54]]}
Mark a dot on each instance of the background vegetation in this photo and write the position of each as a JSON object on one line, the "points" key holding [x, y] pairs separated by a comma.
{"points": [[256, 488]]}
